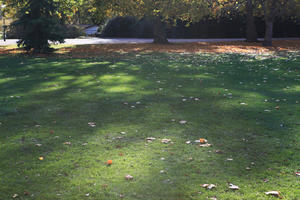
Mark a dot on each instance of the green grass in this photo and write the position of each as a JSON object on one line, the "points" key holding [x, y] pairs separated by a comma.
{"points": [[50, 101]]}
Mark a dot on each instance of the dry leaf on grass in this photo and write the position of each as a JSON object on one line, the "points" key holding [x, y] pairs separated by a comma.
{"points": [[92, 124], [208, 186], [150, 139], [205, 145], [182, 122], [273, 193], [166, 141], [128, 177], [67, 143], [233, 187]]}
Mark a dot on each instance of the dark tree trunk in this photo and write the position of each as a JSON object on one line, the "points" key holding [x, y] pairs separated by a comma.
{"points": [[159, 31], [268, 33], [251, 35]]}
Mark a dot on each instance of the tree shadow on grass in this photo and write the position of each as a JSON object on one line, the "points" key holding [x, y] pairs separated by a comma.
{"points": [[141, 95]]}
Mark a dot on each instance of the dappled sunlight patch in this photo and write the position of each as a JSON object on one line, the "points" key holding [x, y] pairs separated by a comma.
{"points": [[117, 89], [117, 78]]}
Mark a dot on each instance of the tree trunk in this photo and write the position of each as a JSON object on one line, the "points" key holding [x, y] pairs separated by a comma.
{"points": [[268, 32], [251, 35], [159, 31]]}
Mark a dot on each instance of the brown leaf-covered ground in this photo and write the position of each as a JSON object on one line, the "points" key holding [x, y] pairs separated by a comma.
{"points": [[209, 47]]}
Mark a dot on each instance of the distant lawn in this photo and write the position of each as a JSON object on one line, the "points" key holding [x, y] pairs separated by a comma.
{"points": [[61, 119]]}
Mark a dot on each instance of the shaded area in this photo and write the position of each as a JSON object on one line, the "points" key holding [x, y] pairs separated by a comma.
{"points": [[247, 108]]}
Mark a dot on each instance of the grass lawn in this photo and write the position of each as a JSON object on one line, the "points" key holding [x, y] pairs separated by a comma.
{"points": [[61, 119]]}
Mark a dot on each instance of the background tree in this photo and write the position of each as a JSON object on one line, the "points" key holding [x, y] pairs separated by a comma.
{"points": [[39, 23], [162, 12], [273, 9], [225, 8]]}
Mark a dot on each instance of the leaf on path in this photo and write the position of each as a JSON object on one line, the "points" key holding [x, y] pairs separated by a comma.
{"points": [[208, 186], [166, 141], [233, 187], [273, 193], [128, 177]]}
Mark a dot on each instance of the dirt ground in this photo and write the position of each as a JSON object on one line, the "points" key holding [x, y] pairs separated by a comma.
{"points": [[209, 47]]}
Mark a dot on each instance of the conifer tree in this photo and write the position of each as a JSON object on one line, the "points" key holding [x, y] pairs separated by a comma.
{"points": [[39, 24]]}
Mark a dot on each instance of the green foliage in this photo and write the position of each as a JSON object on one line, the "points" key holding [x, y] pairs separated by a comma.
{"points": [[39, 23]]}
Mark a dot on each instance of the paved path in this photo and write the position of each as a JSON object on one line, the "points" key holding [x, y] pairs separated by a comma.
{"points": [[94, 40]]}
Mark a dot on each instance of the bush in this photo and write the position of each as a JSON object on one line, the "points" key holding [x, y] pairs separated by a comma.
{"points": [[128, 27], [72, 31], [68, 31]]}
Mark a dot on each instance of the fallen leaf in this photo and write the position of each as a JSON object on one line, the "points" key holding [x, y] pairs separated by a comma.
{"points": [[150, 139], [128, 177], [182, 122], [233, 187], [202, 140], [208, 186], [219, 151], [273, 193], [205, 145], [109, 162], [166, 141], [67, 143], [92, 124]]}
